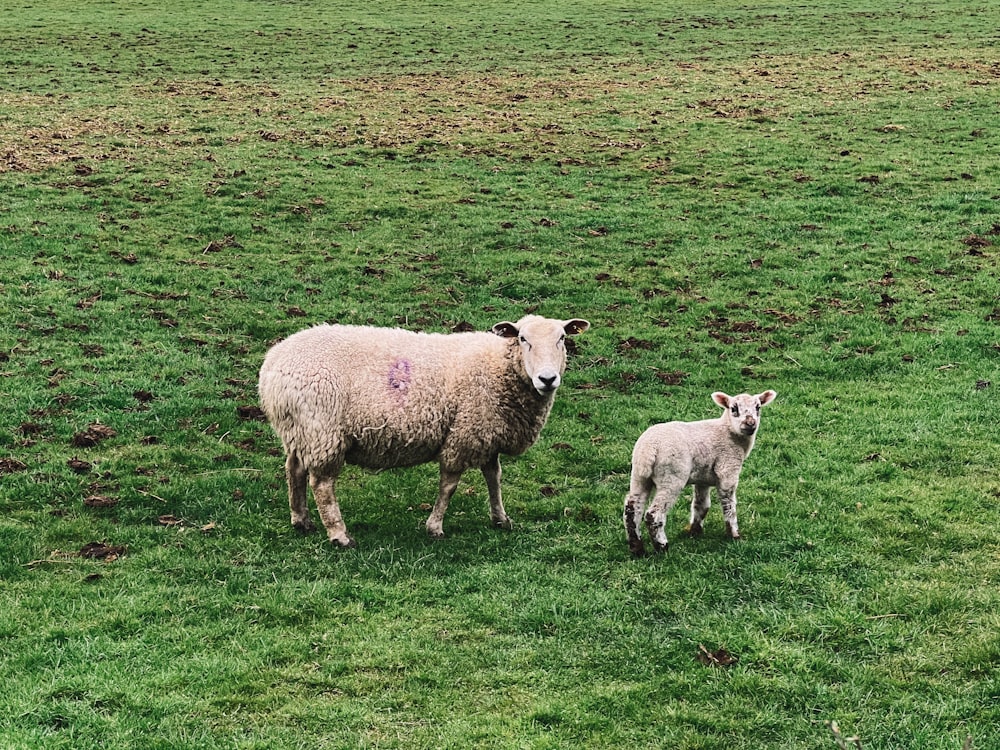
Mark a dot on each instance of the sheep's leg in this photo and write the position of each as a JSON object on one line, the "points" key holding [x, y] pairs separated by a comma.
{"points": [[635, 504], [329, 510], [491, 473], [727, 498], [700, 504], [656, 517], [298, 477], [446, 488]]}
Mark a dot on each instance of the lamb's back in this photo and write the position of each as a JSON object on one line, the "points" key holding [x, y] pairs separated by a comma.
{"points": [[691, 451]]}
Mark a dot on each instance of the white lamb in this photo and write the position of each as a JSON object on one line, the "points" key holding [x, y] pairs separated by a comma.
{"points": [[669, 456], [384, 397]]}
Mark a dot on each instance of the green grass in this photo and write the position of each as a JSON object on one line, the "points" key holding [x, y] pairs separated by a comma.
{"points": [[737, 196]]}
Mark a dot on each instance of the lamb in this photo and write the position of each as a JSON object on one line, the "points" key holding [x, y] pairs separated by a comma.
{"points": [[381, 398], [709, 453]]}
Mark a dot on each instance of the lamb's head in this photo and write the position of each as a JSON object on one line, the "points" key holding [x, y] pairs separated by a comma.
{"points": [[543, 347], [743, 411]]}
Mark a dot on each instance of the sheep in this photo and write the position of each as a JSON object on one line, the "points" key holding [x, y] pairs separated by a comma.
{"points": [[383, 398], [672, 455]]}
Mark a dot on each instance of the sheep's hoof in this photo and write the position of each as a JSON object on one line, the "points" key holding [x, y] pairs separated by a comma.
{"points": [[637, 548], [344, 542], [661, 546], [695, 529], [437, 536], [304, 527], [504, 523]]}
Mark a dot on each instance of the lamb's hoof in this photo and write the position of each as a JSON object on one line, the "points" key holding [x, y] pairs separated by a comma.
{"points": [[735, 537], [695, 529], [658, 547], [504, 523], [344, 542], [638, 549], [437, 536], [304, 527]]}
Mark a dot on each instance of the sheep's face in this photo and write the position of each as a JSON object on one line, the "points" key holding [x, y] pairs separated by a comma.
{"points": [[743, 411], [543, 347]]}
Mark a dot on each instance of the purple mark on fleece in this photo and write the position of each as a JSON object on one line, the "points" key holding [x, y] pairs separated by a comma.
{"points": [[399, 379]]}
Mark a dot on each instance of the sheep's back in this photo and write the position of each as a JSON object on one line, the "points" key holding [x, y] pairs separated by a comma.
{"points": [[382, 397]]}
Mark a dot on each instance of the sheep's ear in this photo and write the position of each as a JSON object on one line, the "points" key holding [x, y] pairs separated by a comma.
{"points": [[505, 330], [767, 397], [575, 326], [721, 399]]}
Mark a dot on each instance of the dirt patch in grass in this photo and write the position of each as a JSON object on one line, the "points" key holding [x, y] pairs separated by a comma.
{"points": [[618, 110]]}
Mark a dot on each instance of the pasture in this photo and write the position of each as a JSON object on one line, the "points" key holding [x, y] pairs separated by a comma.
{"points": [[737, 196]]}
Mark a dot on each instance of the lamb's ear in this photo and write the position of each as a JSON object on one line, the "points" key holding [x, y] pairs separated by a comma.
{"points": [[505, 330], [721, 399], [767, 397], [575, 326]]}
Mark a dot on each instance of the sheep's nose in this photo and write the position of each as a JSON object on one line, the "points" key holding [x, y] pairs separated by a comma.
{"points": [[549, 383]]}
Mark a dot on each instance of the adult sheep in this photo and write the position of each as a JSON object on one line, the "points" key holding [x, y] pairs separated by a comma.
{"points": [[382, 398]]}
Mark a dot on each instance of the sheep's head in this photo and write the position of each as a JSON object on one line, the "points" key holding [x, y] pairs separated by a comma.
{"points": [[743, 411], [543, 347]]}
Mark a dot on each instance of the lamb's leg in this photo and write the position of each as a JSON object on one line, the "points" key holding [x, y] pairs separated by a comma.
{"points": [[297, 478], [656, 517], [635, 504], [700, 504], [329, 511], [491, 473], [446, 488], [727, 498]]}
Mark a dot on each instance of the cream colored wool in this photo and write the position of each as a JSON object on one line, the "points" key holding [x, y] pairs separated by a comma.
{"points": [[384, 398], [710, 453]]}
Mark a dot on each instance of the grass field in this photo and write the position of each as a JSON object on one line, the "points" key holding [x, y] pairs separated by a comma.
{"points": [[737, 196]]}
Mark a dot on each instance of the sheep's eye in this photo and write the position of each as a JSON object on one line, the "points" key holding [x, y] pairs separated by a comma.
{"points": [[736, 410], [758, 408]]}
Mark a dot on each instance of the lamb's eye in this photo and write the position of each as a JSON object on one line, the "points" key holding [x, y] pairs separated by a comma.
{"points": [[736, 410]]}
